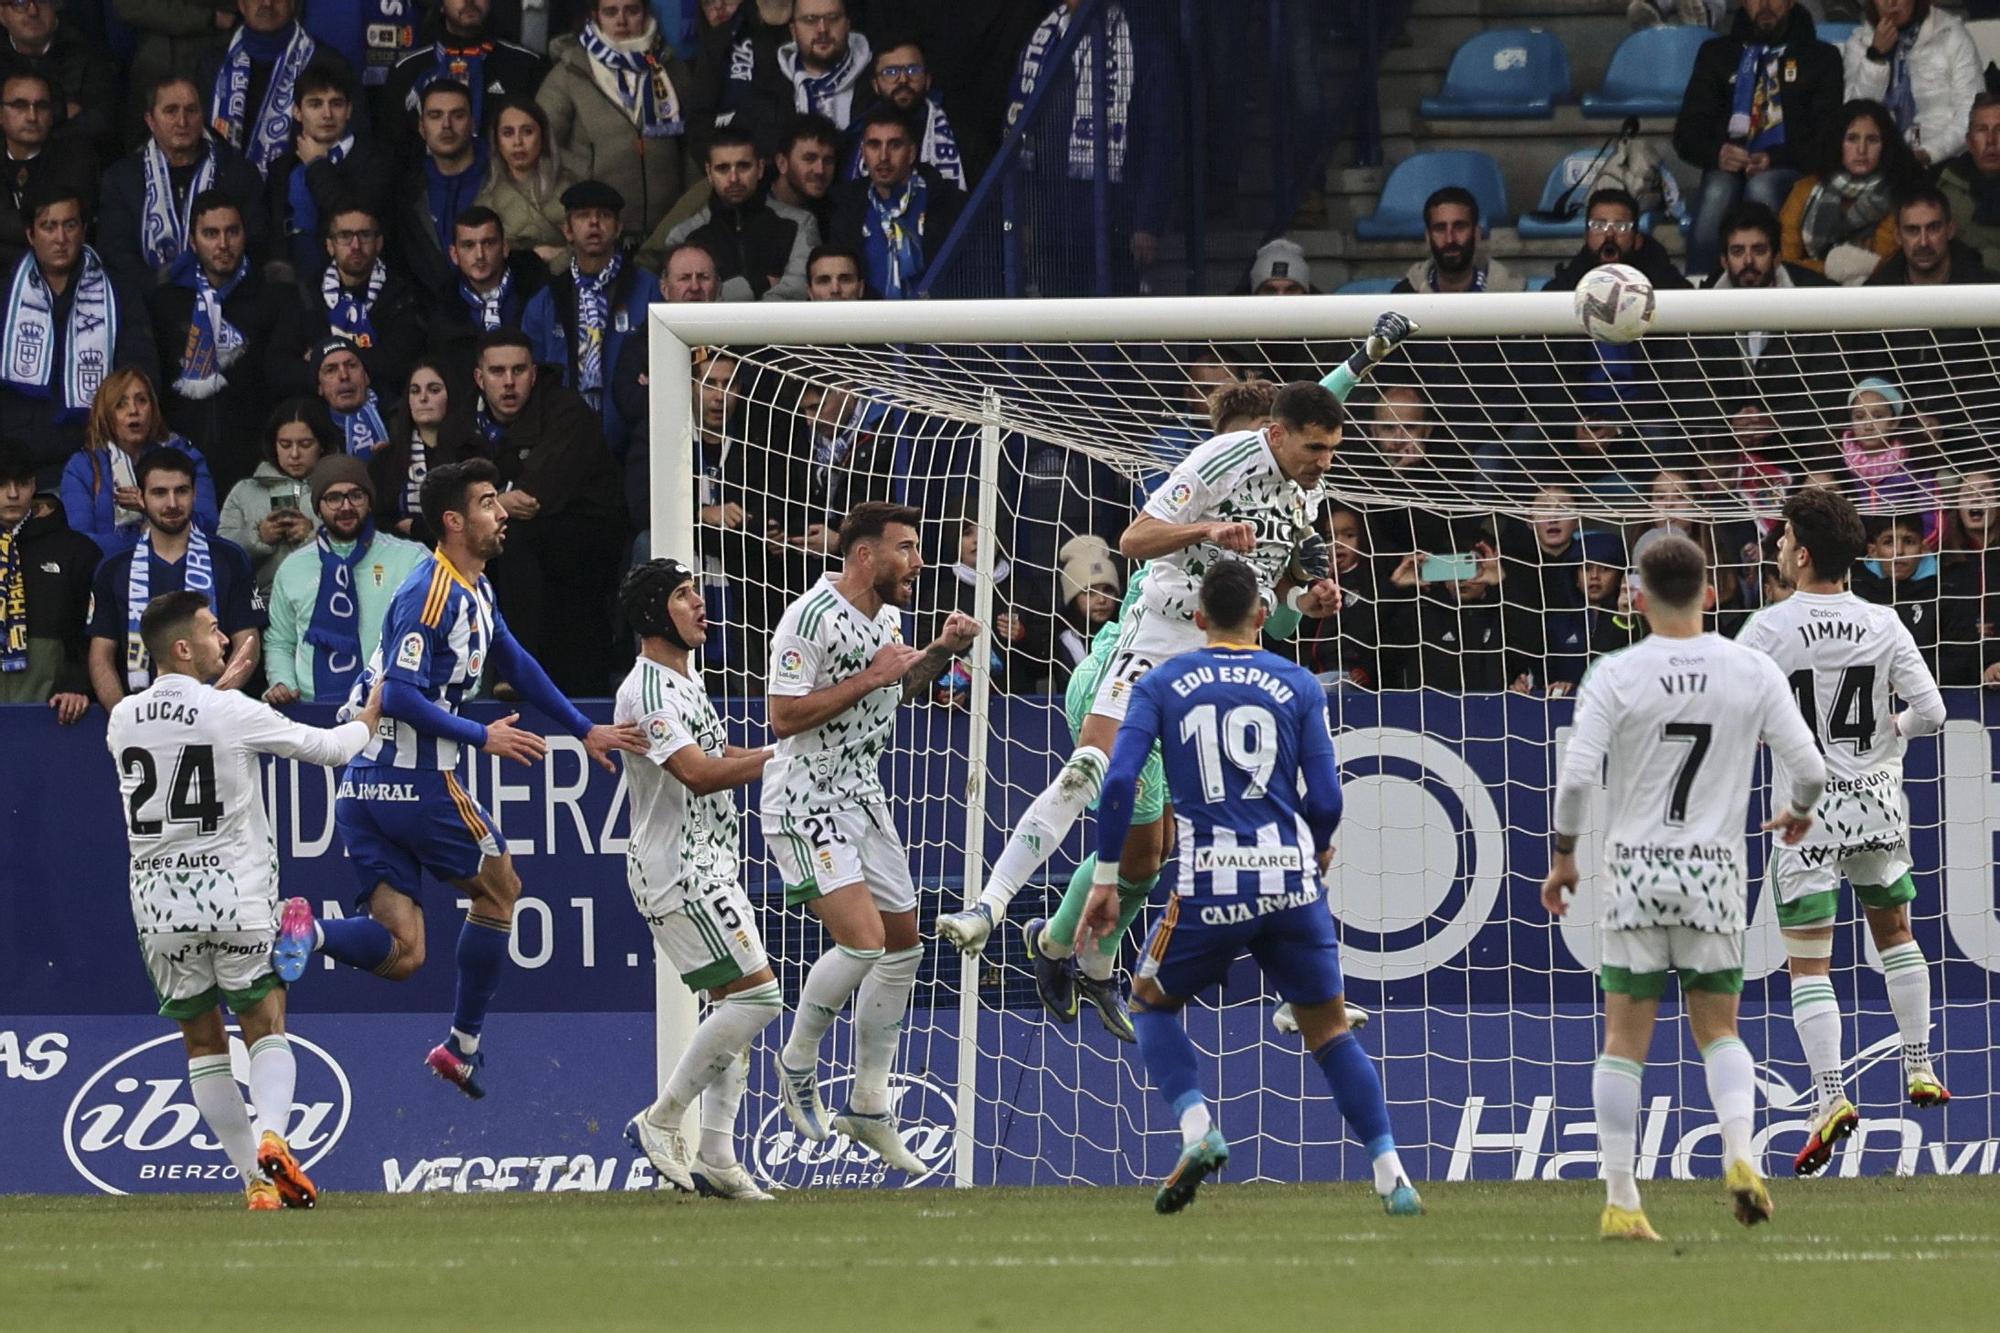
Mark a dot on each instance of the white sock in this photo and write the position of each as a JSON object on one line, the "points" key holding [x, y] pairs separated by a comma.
{"points": [[467, 1042], [1195, 1123], [1732, 1089], [1096, 963], [1389, 1173], [1048, 820], [879, 1009], [719, 1040], [1909, 979], [1816, 1015], [220, 1102], [274, 1074], [829, 985], [1614, 1094], [719, 1103]]}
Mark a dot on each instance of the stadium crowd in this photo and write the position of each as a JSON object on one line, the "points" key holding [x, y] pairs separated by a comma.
{"points": [[267, 274]]}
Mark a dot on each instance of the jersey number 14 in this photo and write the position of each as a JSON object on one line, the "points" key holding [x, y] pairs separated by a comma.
{"points": [[1853, 718]]}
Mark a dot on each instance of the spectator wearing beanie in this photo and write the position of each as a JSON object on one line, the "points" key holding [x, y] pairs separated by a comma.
{"points": [[330, 598], [1087, 577]]}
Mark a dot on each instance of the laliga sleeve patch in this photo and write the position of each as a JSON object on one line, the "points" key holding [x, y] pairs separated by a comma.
{"points": [[791, 667], [1179, 494], [410, 652], [657, 729]]}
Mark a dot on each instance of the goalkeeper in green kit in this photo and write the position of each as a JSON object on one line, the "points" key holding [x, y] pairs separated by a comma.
{"points": [[1062, 980]]}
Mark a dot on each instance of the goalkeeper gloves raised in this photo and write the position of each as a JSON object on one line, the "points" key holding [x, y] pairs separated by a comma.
{"points": [[1312, 560], [1390, 330]]}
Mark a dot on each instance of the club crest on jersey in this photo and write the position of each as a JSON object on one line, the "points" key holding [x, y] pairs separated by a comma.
{"points": [[410, 652]]}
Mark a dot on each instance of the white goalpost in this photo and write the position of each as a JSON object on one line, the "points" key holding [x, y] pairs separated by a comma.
{"points": [[1497, 472]]}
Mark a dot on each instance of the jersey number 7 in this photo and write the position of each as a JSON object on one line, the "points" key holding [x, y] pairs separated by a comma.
{"points": [[1697, 736]]}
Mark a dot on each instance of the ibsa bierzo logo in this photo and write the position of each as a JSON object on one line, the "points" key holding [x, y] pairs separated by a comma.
{"points": [[782, 1159], [133, 1127]]}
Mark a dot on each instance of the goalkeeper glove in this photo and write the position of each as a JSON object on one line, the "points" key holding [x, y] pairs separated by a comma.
{"points": [[1312, 560], [1390, 330]]}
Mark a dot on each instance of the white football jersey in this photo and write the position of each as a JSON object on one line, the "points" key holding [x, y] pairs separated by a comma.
{"points": [[1674, 723], [202, 854], [1233, 478], [821, 640], [679, 840], [1844, 658]]}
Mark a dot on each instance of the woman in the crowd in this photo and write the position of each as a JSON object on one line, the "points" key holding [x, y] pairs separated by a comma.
{"points": [[1920, 63], [1879, 453], [616, 98], [399, 467], [1969, 548], [100, 483], [269, 513], [526, 182], [1841, 221]]}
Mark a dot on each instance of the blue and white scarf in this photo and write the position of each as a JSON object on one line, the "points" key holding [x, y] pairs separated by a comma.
{"points": [[1083, 113], [1901, 97], [645, 93], [1757, 117], [197, 575], [893, 239], [13, 600], [163, 228], [830, 94], [489, 309], [459, 64], [362, 431], [335, 628], [265, 141], [413, 475], [213, 343], [299, 195], [348, 316], [593, 319], [489, 430], [28, 334]]}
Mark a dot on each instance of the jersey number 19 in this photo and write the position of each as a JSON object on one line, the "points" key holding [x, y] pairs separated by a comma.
{"points": [[1247, 737]]}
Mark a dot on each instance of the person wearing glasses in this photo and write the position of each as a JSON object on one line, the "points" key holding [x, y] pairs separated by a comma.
{"points": [[903, 81], [84, 82], [28, 113], [304, 655], [1611, 235], [362, 301], [822, 69]]}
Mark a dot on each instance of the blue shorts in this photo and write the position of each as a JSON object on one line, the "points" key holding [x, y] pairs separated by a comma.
{"points": [[1296, 948], [400, 822]]}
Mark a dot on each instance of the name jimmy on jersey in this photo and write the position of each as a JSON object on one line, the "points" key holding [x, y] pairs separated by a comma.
{"points": [[1231, 479]]}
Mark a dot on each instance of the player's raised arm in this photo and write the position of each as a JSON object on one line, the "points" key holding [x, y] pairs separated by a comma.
{"points": [[1390, 330], [1785, 731], [959, 632], [264, 729], [1161, 528], [519, 668]]}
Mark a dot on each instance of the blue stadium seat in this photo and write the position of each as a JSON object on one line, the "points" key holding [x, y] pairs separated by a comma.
{"points": [[1538, 283], [1366, 287], [1399, 214], [1505, 74], [1649, 72], [1833, 34], [1569, 169]]}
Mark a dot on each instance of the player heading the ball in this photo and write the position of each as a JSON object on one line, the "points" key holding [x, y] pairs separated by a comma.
{"points": [[1256, 797], [205, 878], [1673, 723], [1844, 658], [1250, 494], [400, 809], [839, 668], [684, 867]]}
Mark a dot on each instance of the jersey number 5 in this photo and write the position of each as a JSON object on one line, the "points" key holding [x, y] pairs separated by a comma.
{"points": [[191, 796], [1247, 737]]}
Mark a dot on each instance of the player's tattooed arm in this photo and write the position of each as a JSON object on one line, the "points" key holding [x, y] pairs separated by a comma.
{"points": [[959, 632]]}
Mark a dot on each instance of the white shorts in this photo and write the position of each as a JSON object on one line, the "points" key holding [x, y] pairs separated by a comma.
{"points": [[1650, 950], [1796, 872], [195, 970], [1148, 640], [816, 854], [711, 938]]}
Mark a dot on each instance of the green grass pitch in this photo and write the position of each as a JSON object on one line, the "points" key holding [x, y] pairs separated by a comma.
{"points": [[1921, 1253]]}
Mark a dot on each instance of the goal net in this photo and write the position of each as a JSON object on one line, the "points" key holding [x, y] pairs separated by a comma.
{"points": [[1497, 478]]}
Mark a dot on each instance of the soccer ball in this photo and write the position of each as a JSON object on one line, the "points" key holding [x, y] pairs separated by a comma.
{"points": [[1614, 303]]}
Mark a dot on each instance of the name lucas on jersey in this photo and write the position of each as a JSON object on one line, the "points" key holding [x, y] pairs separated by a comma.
{"points": [[1187, 682], [166, 710]]}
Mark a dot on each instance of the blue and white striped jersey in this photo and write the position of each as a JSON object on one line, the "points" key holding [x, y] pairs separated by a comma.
{"points": [[437, 634], [1250, 765]]}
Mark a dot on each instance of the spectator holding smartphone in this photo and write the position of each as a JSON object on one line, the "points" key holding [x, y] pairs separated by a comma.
{"points": [[268, 513]]}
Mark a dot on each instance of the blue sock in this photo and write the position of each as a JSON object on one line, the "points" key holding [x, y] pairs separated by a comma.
{"points": [[1357, 1091], [358, 941], [482, 952], [1169, 1057]]}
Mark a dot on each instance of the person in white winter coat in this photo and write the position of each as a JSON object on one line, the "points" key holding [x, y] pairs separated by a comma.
{"points": [[1921, 63]]}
